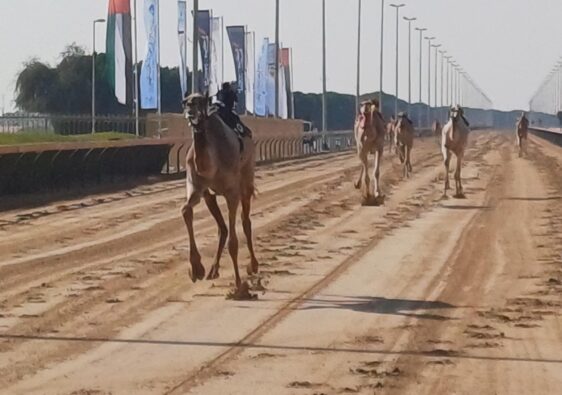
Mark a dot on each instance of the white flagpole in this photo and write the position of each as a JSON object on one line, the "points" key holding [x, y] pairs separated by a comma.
{"points": [[292, 86], [136, 74], [222, 48], [158, 78]]}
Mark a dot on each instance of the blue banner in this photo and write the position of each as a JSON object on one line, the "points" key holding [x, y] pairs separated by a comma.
{"points": [[204, 23], [149, 72]]}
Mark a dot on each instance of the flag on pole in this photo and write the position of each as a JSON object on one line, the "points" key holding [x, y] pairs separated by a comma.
{"points": [[182, 27], [216, 49], [237, 37], [284, 58], [149, 71], [261, 81], [204, 23], [250, 72], [119, 50]]}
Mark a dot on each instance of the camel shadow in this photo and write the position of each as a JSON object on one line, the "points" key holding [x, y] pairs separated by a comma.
{"points": [[380, 305], [467, 207], [533, 199]]}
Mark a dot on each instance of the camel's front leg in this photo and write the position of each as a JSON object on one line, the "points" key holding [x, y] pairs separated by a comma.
{"points": [[409, 159], [376, 173], [458, 182], [446, 162], [197, 271], [232, 202], [211, 201], [247, 225]]}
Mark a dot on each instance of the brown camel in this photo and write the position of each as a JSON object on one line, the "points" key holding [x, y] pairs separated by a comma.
{"points": [[454, 139], [390, 131], [369, 137], [218, 163], [404, 141], [522, 132]]}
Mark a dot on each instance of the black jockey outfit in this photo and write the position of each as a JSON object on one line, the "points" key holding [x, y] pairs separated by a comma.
{"points": [[227, 99]]}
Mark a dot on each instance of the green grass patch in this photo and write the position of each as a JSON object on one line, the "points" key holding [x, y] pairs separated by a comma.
{"points": [[25, 137]]}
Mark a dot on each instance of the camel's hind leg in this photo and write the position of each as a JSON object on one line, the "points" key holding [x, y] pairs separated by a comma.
{"points": [[211, 201], [232, 202], [458, 182], [359, 181], [364, 180], [247, 225], [197, 271], [409, 159]]}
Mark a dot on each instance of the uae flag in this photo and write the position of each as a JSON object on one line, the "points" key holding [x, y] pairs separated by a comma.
{"points": [[119, 50]]}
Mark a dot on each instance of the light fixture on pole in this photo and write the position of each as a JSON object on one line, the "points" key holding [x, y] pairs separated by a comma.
{"points": [[409, 20], [397, 6], [429, 40], [94, 73]]}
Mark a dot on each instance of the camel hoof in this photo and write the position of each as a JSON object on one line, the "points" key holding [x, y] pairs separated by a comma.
{"points": [[242, 292], [444, 196], [460, 196], [357, 185], [213, 273], [253, 268], [373, 201]]}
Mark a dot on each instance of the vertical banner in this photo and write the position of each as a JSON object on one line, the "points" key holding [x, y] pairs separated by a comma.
{"points": [[237, 37], [119, 50], [286, 66], [149, 71], [204, 23], [182, 35], [250, 72], [215, 78], [271, 59], [261, 81]]}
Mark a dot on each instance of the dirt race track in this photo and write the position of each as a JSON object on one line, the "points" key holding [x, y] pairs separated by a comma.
{"points": [[419, 296]]}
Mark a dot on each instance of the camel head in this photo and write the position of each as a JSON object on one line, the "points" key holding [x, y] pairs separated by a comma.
{"points": [[196, 110], [456, 112]]}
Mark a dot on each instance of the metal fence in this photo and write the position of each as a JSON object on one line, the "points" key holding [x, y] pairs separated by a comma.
{"points": [[70, 124]]}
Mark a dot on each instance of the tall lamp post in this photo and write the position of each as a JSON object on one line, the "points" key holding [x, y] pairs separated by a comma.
{"points": [[94, 74], [397, 6], [358, 91], [381, 56], [421, 30], [409, 20], [442, 64], [436, 46], [429, 40], [447, 80]]}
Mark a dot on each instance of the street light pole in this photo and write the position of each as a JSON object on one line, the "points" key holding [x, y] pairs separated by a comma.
{"points": [[437, 46], [441, 101], [324, 118], [410, 20], [421, 30], [276, 58], [397, 6], [195, 53], [94, 74], [429, 40], [358, 91], [381, 55]]}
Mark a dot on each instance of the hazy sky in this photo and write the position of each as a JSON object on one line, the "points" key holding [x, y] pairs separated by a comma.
{"points": [[507, 46]]}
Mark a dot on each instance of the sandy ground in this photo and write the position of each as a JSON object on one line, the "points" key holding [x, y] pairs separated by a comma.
{"points": [[419, 296]]}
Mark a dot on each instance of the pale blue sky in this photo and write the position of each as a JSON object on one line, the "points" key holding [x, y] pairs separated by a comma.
{"points": [[508, 46]]}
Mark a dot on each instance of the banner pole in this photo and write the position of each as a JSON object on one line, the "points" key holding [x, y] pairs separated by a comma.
{"points": [[195, 59], [136, 73], [222, 48], [292, 87], [158, 78], [255, 79]]}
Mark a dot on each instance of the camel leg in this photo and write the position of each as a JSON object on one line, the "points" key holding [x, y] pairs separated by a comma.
{"points": [[409, 159], [232, 202], [211, 201], [446, 162], [376, 173], [458, 183], [366, 187], [360, 179], [247, 225], [197, 271]]}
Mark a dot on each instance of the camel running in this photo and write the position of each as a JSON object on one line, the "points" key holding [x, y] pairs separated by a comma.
{"points": [[454, 139], [436, 129], [219, 162], [390, 126], [522, 132], [404, 141], [369, 137]]}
